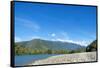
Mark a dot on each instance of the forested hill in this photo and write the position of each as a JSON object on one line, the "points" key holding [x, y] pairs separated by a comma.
{"points": [[45, 46], [92, 46]]}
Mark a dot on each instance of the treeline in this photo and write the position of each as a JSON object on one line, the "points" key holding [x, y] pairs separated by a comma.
{"points": [[19, 50]]}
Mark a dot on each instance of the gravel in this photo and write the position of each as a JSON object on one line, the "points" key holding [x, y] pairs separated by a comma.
{"points": [[67, 58]]}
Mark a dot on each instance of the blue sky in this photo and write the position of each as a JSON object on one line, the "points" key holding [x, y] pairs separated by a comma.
{"points": [[75, 24]]}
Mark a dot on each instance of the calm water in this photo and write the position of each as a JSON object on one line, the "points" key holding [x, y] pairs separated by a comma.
{"points": [[26, 59]]}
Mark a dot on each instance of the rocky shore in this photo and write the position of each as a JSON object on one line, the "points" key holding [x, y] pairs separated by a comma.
{"points": [[67, 58]]}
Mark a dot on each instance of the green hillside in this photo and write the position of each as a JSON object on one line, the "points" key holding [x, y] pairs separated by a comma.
{"points": [[38, 46]]}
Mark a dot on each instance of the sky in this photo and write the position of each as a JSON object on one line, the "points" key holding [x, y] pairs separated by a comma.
{"points": [[66, 23]]}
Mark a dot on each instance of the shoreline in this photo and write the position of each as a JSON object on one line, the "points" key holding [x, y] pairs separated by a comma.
{"points": [[67, 58]]}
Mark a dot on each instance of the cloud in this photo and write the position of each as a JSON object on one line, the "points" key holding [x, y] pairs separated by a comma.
{"points": [[64, 37], [83, 43], [27, 24], [17, 39], [61, 35], [53, 34]]}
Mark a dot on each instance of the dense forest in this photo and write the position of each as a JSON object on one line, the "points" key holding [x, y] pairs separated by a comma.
{"points": [[19, 50]]}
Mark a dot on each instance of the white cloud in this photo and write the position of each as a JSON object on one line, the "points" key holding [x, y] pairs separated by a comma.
{"points": [[17, 39], [53, 34], [28, 24], [83, 43], [63, 37]]}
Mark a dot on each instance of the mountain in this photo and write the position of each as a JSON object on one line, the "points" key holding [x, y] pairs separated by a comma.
{"points": [[52, 45], [92, 46]]}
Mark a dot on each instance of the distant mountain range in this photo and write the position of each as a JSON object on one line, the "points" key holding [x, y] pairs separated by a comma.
{"points": [[52, 45]]}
